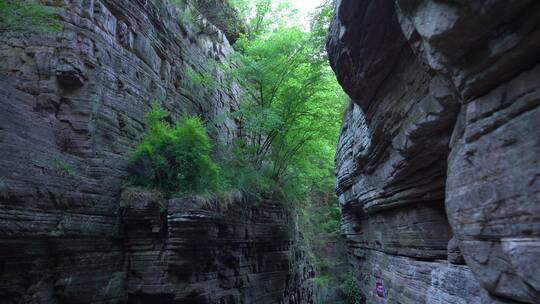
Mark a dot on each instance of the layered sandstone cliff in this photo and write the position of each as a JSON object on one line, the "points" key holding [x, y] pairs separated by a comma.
{"points": [[438, 161], [211, 250], [71, 107]]}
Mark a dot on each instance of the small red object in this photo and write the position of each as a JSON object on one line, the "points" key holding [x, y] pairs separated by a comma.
{"points": [[379, 288]]}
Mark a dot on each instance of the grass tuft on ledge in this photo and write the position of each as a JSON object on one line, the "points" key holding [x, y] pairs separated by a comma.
{"points": [[29, 15]]}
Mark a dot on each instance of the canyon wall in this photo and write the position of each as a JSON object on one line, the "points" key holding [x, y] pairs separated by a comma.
{"points": [[224, 250], [438, 159], [72, 105]]}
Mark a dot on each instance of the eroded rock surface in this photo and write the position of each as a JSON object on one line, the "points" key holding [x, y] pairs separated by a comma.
{"points": [[223, 15], [212, 250], [438, 160], [72, 105]]}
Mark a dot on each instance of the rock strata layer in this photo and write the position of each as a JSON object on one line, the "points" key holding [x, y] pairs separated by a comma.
{"points": [[72, 105], [212, 250], [438, 160]]}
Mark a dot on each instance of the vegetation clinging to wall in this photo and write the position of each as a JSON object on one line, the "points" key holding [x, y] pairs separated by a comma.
{"points": [[289, 115], [29, 15], [352, 290], [174, 158]]}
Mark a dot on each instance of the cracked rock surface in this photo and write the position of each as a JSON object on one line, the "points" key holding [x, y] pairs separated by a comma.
{"points": [[438, 160], [72, 105]]}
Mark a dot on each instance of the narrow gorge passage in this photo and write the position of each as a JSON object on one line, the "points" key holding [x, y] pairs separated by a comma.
{"points": [[265, 151]]}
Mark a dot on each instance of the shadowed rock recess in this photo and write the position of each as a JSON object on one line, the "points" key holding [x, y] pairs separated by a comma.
{"points": [[72, 105], [437, 167]]}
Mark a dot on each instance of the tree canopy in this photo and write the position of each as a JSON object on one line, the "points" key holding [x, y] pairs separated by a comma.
{"points": [[290, 116]]}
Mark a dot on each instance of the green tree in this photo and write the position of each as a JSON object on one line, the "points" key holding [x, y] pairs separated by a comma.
{"points": [[290, 119], [290, 116], [261, 16], [175, 159]]}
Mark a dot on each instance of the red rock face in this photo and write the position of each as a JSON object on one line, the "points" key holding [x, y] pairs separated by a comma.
{"points": [[72, 105], [437, 158]]}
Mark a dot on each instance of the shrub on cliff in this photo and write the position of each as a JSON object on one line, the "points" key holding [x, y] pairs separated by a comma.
{"points": [[174, 158], [352, 290], [28, 15]]}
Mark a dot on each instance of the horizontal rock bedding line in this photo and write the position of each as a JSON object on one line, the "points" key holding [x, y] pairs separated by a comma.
{"points": [[438, 158]]}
